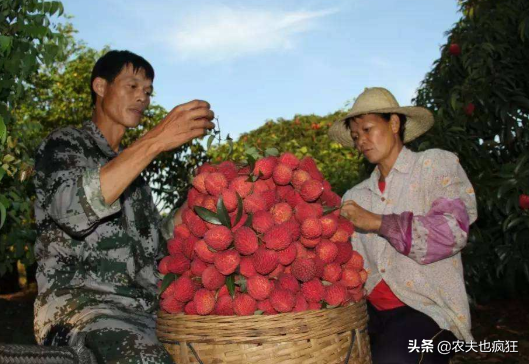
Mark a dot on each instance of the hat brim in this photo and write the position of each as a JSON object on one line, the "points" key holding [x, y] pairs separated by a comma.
{"points": [[418, 121]]}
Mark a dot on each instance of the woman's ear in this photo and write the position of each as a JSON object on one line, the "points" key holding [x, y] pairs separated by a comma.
{"points": [[99, 85], [394, 122]]}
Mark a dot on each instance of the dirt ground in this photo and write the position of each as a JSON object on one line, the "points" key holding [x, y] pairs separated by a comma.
{"points": [[497, 321]]}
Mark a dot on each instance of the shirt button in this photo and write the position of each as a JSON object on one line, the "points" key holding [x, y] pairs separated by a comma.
{"points": [[383, 199], [382, 270]]}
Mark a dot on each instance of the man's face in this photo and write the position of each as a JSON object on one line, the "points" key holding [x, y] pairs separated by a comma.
{"points": [[127, 97], [373, 136]]}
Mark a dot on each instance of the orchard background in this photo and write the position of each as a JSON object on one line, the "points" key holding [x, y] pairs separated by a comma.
{"points": [[478, 90]]}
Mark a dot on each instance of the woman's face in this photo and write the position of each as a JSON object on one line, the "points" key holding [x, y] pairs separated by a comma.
{"points": [[374, 137]]}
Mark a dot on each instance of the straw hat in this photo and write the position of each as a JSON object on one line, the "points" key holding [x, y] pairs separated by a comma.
{"points": [[378, 100]]}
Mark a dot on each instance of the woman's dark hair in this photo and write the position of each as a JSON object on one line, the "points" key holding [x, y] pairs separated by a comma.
{"points": [[386, 117], [111, 64]]}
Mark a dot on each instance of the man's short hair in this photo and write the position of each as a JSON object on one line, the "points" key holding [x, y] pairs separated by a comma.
{"points": [[111, 64]]}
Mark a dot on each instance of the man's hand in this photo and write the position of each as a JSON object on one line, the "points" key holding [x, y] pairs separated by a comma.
{"points": [[360, 217], [184, 123]]}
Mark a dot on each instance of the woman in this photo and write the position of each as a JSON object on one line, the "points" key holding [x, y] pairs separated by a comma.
{"points": [[412, 218]]}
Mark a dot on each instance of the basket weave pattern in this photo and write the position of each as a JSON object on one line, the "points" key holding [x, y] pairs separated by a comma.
{"points": [[310, 337]]}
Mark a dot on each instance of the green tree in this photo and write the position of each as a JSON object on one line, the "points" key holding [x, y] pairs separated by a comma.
{"points": [[478, 90], [27, 41], [305, 135]]}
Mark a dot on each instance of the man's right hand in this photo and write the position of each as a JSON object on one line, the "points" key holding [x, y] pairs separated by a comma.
{"points": [[184, 123]]}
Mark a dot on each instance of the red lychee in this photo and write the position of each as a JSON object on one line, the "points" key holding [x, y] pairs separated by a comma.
{"points": [[184, 289], [178, 263], [259, 287], [281, 212], [227, 261], [204, 301], [212, 279], [202, 251], [244, 305], [313, 290], [311, 228], [264, 167], [303, 269], [215, 183], [327, 251], [245, 241], [265, 260], [282, 174], [262, 221], [335, 294], [277, 238], [282, 300], [289, 159], [242, 186], [246, 267], [311, 190], [218, 238]]}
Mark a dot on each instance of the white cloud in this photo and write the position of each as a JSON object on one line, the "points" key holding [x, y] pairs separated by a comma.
{"points": [[226, 33]]}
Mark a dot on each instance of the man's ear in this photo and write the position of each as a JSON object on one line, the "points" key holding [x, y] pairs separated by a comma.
{"points": [[99, 85], [394, 122]]}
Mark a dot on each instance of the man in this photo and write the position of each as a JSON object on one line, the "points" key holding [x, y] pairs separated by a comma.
{"points": [[99, 232]]}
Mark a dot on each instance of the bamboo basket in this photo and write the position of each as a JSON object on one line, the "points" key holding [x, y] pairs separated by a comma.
{"points": [[336, 335]]}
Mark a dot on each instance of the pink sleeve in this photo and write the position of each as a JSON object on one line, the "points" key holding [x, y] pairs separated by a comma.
{"points": [[441, 233]]}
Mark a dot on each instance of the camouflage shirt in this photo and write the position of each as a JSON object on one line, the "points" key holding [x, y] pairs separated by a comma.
{"points": [[92, 257]]}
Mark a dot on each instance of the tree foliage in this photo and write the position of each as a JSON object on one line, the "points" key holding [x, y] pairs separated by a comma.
{"points": [[479, 92], [305, 135], [27, 41]]}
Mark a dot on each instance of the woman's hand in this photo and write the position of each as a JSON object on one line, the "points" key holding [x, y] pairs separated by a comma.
{"points": [[360, 217]]}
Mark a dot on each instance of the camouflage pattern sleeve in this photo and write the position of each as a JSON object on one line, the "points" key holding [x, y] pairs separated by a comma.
{"points": [[71, 189]]}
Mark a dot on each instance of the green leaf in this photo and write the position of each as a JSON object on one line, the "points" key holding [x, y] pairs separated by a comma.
{"points": [[3, 131], [240, 209], [241, 282], [5, 43], [258, 312], [251, 161], [271, 152], [248, 221], [207, 215], [2, 173], [222, 213], [210, 141], [230, 283], [328, 209], [167, 280], [230, 147], [2, 214]]}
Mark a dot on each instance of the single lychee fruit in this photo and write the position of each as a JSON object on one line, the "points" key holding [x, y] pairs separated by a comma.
{"points": [[205, 168], [262, 221], [289, 159], [227, 261], [332, 272], [308, 164], [181, 231], [212, 279], [260, 186], [350, 278], [327, 251], [282, 174], [224, 306], [454, 49], [228, 169], [311, 190], [259, 287], [188, 247], [282, 300], [311, 228], [299, 177], [264, 167], [190, 308], [284, 191], [198, 266], [204, 301], [287, 256], [469, 109], [356, 262], [244, 305], [202, 251], [254, 203], [345, 252], [346, 225], [242, 186], [277, 238], [313, 290], [184, 289], [281, 212], [303, 269], [340, 236], [215, 183], [294, 227], [289, 282], [178, 263], [218, 237], [245, 241], [265, 260], [301, 303], [199, 182], [329, 224], [172, 305], [246, 267], [524, 202], [266, 307], [163, 266], [229, 197], [335, 294]]}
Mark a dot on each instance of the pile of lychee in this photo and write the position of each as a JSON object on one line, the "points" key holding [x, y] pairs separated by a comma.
{"points": [[263, 238]]}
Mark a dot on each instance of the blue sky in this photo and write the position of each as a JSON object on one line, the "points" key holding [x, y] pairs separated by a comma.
{"points": [[260, 60]]}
